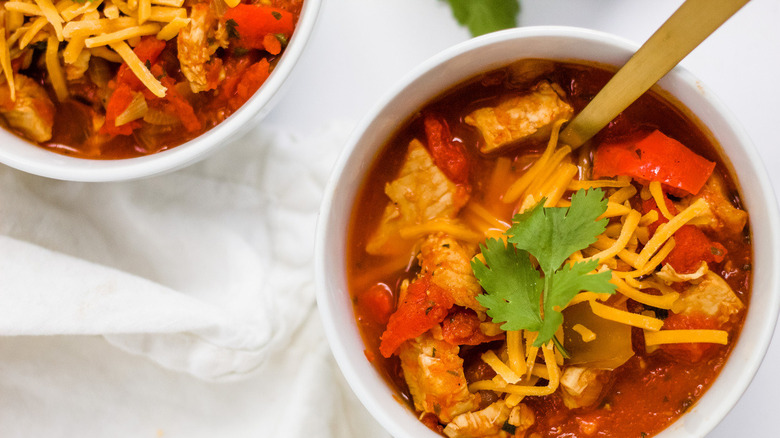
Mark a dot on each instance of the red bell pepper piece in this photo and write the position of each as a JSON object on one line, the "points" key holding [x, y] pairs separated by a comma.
{"points": [[254, 22], [655, 157], [424, 306], [448, 155]]}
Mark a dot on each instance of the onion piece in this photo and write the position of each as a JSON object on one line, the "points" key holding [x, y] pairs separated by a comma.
{"points": [[160, 118], [136, 110]]}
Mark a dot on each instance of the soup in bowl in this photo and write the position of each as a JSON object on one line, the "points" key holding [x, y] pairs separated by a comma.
{"points": [[114, 90], [479, 277]]}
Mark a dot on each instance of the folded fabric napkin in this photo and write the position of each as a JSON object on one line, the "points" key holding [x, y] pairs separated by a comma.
{"points": [[203, 278]]}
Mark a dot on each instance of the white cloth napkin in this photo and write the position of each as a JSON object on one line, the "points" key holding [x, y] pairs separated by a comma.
{"points": [[203, 278]]}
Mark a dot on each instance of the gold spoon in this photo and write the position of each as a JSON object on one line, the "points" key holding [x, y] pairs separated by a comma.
{"points": [[690, 24]]}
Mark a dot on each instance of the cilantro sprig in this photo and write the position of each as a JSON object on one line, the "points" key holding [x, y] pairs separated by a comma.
{"points": [[521, 297], [484, 16]]}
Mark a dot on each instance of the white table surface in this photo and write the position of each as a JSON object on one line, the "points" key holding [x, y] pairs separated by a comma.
{"points": [[362, 47]]}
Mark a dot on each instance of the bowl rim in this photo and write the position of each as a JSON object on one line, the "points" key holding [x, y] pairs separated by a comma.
{"points": [[353, 365], [30, 158]]}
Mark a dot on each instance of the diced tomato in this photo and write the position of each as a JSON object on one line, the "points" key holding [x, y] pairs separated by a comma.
{"points": [[377, 303], [250, 81], [447, 154], [689, 352], [691, 247], [234, 72], [650, 205], [173, 103], [254, 22], [655, 157], [461, 327], [118, 103], [432, 422], [271, 44], [424, 306]]}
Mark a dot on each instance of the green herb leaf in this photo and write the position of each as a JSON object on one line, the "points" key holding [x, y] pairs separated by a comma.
{"points": [[516, 294], [513, 285], [40, 45], [485, 16], [232, 29], [276, 15], [553, 234], [566, 284]]}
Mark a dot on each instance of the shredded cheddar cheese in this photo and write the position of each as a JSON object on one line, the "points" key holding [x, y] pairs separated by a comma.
{"points": [[52, 15], [54, 68], [660, 301], [553, 375], [624, 317], [586, 334], [686, 337], [85, 27], [514, 349], [665, 231], [554, 191], [5, 63], [516, 190], [440, 225], [138, 68], [599, 183], [502, 369], [658, 196], [630, 224], [170, 30]]}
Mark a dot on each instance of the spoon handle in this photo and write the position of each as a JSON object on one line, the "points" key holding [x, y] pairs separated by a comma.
{"points": [[693, 21]]}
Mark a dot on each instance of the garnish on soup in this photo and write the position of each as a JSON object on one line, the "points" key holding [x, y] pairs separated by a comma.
{"points": [[110, 79], [508, 286]]}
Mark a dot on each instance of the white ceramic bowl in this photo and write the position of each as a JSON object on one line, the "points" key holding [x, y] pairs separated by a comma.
{"points": [[486, 53], [27, 157]]}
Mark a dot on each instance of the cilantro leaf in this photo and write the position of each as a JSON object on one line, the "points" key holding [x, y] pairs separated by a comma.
{"points": [[514, 285], [567, 282], [485, 16], [553, 234], [232, 31], [516, 293]]}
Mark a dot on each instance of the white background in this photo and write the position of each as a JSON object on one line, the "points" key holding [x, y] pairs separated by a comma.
{"points": [[362, 47]]}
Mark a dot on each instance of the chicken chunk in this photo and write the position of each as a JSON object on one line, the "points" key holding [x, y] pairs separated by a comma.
{"points": [[434, 373], [670, 275], [448, 262], [32, 113], [485, 423], [420, 193], [197, 43], [724, 217], [521, 118], [712, 296], [582, 386]]}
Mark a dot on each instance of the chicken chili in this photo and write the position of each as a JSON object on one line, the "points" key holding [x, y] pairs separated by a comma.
{"points": [[111, 79], [509, 286]]}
